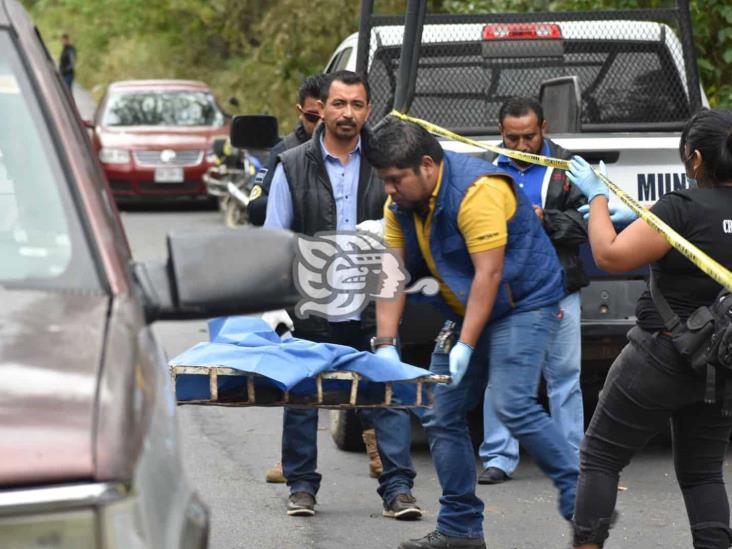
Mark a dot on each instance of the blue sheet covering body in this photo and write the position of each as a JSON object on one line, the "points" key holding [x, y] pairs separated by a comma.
{"points": [[250, 345]]}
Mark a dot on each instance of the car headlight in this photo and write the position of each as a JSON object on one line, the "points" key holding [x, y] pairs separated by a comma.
{"points": [[67, 530], [114, 156]]}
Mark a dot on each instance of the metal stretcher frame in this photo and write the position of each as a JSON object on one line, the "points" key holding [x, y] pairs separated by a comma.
{"points": [[213, 373]]}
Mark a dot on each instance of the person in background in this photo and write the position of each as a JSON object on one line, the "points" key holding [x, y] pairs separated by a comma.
{"points": [[555, 203], [308, 118], [650, 382], [67, 61]]}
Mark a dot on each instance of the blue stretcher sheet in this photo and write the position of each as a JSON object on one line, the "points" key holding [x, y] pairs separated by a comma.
{"points": [[249, 344]]}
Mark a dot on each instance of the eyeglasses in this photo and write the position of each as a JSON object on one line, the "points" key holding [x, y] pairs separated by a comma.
{"points": [[310, 116]]}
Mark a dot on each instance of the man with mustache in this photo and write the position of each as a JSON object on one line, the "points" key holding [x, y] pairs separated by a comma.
{"points": [[327, 185], [555, 202]]}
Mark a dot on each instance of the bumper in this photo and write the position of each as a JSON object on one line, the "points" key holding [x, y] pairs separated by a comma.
{"points": [[94, 515], [610, 328], [130, 181]]}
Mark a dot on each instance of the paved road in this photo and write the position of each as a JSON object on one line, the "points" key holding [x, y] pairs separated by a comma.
{"points": [[227, 450]]}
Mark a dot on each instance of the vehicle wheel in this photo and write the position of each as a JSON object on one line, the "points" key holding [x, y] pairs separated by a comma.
{"points": [[345, 428], [235, 214]]}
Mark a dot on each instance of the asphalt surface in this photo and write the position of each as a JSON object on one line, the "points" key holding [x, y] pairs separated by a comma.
{"points": [[227, 451]]}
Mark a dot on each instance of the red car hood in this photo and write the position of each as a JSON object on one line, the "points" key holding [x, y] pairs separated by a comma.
{"points": [[159, 138], [50, 355]]}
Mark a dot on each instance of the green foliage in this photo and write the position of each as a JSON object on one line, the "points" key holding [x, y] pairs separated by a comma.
{"points": [[259, 50]]}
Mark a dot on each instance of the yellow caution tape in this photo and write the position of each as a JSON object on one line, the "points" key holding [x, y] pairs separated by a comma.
{"points": [[711, 267]]}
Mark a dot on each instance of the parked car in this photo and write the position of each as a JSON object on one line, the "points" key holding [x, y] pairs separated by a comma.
{"points": [[88, 433], [154, 137]]}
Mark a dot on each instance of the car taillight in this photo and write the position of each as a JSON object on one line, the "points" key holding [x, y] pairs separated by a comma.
{"points": [[522, 31]]}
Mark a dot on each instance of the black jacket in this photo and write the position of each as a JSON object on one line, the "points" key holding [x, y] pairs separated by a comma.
{"points": [[563, 223], [67, 61], [314, 210], [257, 208]]}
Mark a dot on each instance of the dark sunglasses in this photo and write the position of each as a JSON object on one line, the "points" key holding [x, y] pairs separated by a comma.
{"points": [[310, 116]]}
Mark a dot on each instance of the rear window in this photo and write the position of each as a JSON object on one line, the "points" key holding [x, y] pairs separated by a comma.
{"points": [[623, 82], [162, 108]]}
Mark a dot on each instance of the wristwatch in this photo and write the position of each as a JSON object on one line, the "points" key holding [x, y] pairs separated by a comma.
{"points": [[377, 342]]}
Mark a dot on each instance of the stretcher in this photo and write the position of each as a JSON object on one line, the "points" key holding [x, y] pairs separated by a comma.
{"points": [[246, 363], [332, 389]]}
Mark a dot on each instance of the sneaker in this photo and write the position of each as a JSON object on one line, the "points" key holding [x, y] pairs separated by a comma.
{"points": [[301, 504], [403, 507], [275, 474], [438, 540], [492, 475]]}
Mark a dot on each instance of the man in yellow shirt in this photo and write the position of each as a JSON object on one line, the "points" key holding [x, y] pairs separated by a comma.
{"points": [[463, 221]]}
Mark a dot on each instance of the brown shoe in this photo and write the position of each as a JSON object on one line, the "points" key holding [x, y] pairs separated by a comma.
{"points": [[301, 504], [375, 465], [403, 507], [275, 475]]}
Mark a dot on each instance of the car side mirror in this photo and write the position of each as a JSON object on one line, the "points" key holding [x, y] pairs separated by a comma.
{"points": [[254, 131], [220, 272]]}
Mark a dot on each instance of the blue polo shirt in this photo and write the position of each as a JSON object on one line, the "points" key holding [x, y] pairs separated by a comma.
{"points": [[529, 179]]}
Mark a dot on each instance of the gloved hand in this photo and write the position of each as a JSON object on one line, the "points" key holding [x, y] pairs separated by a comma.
{"points": [[459, 359], [620, 214], [277, 318], [582, 176], [372, 226], [388, 352]]}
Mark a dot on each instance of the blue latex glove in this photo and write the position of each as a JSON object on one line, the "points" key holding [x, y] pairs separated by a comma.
{"points": [[459, 359], [388, 352], [620, 214], [582, 176]]}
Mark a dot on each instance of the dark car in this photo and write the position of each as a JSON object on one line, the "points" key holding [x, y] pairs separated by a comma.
{"points": [[88, 439], [154, 137]]}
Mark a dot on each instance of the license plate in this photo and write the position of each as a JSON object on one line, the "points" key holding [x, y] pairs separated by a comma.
{"points": [[168, 175]]}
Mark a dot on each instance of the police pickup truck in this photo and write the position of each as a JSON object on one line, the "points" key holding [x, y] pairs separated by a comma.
{"points": [[616, 86]]}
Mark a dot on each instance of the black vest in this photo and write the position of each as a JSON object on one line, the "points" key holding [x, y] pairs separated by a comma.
{"points": [[314, 210]]}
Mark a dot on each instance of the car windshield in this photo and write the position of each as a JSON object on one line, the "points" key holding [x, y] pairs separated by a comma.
{"points": [[162, 108], [36, 241]]}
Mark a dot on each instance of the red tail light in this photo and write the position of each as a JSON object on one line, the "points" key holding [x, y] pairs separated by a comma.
{"points": [[522, 31]]}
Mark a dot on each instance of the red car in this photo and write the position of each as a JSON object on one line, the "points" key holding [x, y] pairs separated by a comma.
{"points": [[154, 137]]}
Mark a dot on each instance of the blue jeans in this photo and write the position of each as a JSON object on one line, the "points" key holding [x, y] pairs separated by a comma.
{"points": [[507, 351], [68, 78], [562, 375], [393, 436]]}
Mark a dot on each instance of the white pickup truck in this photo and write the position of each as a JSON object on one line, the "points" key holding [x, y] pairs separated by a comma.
{"points": [[616, 86]]}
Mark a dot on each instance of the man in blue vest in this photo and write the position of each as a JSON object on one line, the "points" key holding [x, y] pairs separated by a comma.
{"points": [[465, 222]]}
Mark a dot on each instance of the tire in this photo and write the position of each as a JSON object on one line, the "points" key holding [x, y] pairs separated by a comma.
{"points": [[235, 214], [345, 428]]}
